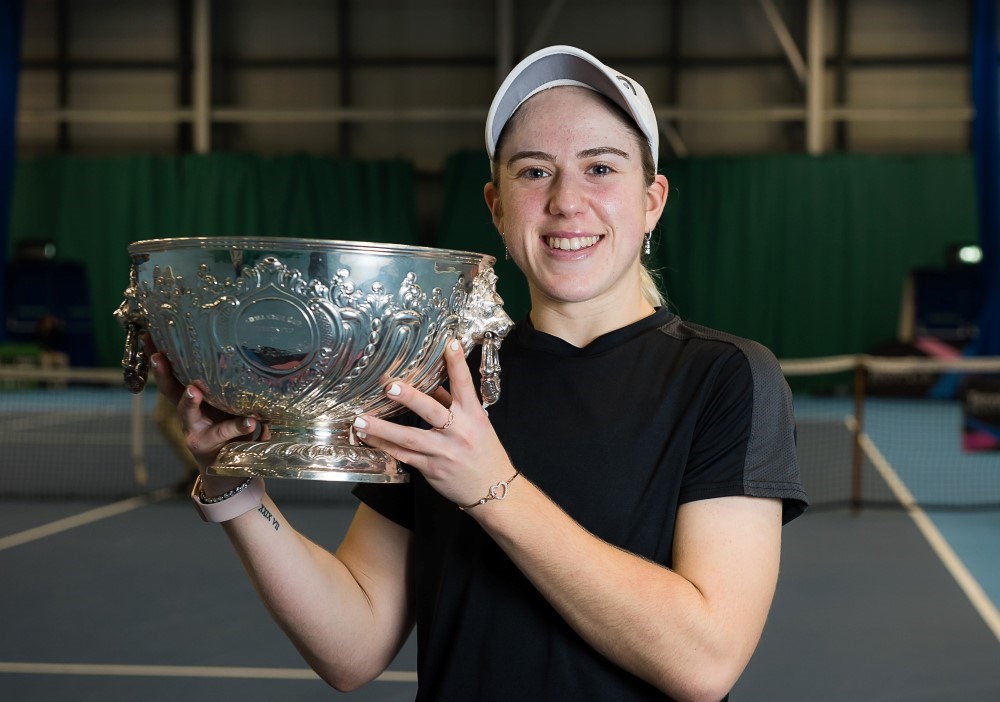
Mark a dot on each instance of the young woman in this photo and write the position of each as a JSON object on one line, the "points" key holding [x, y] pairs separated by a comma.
{"points": [[611, 529]]}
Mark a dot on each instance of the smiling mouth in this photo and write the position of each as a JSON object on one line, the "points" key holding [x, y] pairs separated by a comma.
{"points": [[572, 244]]}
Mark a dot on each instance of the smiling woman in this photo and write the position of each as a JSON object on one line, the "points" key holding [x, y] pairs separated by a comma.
{"points": [[633, 558], [575, 204], [611, 529]]}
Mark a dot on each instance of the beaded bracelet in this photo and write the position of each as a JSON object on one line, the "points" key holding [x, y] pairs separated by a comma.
{"points": [[246, 496], [206, 500]]}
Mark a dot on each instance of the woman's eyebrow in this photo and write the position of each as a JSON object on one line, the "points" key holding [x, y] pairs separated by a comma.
{"points": [[538, 155], [586, 153], [601, 151]]}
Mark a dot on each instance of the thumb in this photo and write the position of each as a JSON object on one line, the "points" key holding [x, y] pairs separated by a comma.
{"points": [[217, 435]]}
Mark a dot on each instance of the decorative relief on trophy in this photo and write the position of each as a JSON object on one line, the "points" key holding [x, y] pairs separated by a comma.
{"points": [[303, 334]]}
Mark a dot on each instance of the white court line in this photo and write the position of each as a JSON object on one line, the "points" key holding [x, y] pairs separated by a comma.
{"points": [[970, 586], [81, 519], [114, 438], [148, 670], [183, 671], [52, 418], [37, 421]]}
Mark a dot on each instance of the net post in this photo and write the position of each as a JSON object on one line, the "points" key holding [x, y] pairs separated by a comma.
{"points": [[860, 387], [137, 419]]}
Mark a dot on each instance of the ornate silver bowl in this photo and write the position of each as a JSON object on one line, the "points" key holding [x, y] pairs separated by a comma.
{"points": [[303, 335]]}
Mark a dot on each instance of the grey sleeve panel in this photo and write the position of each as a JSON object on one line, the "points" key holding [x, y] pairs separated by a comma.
{"points": [[771, 462], [771, 467]]}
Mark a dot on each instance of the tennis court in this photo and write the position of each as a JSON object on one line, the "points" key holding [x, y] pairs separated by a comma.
{"points": [[115, 590]]}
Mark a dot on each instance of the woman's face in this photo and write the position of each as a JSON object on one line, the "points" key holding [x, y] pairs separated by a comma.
{"points": [[571, 201]]}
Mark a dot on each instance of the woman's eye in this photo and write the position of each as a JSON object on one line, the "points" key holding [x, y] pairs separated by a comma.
{"points": [[534, 172], [601, 169]]}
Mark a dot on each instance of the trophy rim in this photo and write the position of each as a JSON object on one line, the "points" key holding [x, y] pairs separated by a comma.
{"points": [[268, 243]]}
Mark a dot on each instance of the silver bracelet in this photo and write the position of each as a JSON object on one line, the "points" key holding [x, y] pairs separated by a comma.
{"points": [[205, 500]]}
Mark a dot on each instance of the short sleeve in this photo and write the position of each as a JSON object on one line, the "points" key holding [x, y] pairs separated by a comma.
{"points": [[393, 501], [744, 443]]}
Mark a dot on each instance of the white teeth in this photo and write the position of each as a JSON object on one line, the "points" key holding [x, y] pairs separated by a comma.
{"points": [[574, 244]]}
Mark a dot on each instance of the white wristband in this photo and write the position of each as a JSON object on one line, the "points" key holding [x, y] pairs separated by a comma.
{"points": [[244, 497]]}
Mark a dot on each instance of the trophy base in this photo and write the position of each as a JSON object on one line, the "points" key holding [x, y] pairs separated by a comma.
{"points": [[285, 459]]}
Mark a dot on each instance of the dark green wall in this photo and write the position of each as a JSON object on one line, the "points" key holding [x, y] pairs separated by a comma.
{"points": [[805, 254]]}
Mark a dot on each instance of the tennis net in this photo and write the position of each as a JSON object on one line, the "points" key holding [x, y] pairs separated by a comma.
{"points": [[872, 431], [898, 431]]}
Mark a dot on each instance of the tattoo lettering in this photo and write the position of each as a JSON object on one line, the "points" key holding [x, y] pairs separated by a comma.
{"points": [[266, 513]]}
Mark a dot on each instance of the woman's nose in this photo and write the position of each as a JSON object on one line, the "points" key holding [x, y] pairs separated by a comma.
{"points": [[564, 197]]}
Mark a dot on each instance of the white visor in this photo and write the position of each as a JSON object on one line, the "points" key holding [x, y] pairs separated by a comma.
{"points": [[567, 65]]}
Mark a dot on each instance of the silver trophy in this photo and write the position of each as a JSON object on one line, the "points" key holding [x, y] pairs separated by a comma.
{"points": [[304, 334]]}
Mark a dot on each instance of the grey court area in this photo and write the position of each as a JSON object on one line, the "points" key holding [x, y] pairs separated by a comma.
{"points": [[152, 604], [109, 594]]}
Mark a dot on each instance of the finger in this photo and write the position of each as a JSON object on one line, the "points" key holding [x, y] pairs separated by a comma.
{"points": [[424, 406], [405, 444], [459, 376], [147, 344], [225, 431], [189, 407], [204, 435], [166, 383], [442, 395]]}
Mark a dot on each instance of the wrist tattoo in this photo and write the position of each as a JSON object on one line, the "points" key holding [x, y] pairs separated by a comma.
{"points": [[266, 513]]}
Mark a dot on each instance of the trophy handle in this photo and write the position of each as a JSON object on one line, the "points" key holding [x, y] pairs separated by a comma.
{"points": [[486, 323], [130, 315], [489, 369]]}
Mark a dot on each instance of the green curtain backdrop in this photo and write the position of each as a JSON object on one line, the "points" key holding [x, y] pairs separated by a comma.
{"points": [[93, 208], [807, 255]]}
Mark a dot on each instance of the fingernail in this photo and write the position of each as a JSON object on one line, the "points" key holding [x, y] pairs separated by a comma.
{"points": [[393, 390], [361, 435], [247, 422], [360, 424], [189, 394], [153, 363], [455, 346]]}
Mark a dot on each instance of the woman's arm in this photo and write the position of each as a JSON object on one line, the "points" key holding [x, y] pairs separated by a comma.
{"points": [[348, 614], [690, 630]]}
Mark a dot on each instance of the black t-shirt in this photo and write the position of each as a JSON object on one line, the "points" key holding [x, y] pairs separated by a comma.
{"points": [[619, 434]]}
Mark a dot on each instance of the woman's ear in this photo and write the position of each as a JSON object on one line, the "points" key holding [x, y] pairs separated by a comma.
{"points": [[656, 200], [492, 195]]}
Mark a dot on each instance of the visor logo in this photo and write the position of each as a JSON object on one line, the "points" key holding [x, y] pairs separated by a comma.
{"points": [[627, 82]]}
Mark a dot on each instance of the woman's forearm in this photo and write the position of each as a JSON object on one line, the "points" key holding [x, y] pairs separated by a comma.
{"points": [[650, 620], [347, 625]]}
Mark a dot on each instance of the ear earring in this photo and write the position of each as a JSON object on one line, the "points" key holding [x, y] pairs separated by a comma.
{"points": [[506, 253], [646, 239]]}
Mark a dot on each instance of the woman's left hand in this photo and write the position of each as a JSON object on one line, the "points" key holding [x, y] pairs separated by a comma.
{"points": [[462, 456]]}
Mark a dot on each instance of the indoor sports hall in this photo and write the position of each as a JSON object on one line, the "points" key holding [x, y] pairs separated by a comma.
{"points": [[834, 170]]}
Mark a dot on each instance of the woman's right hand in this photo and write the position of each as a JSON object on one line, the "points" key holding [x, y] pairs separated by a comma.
{"points": [[206, 428]]}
